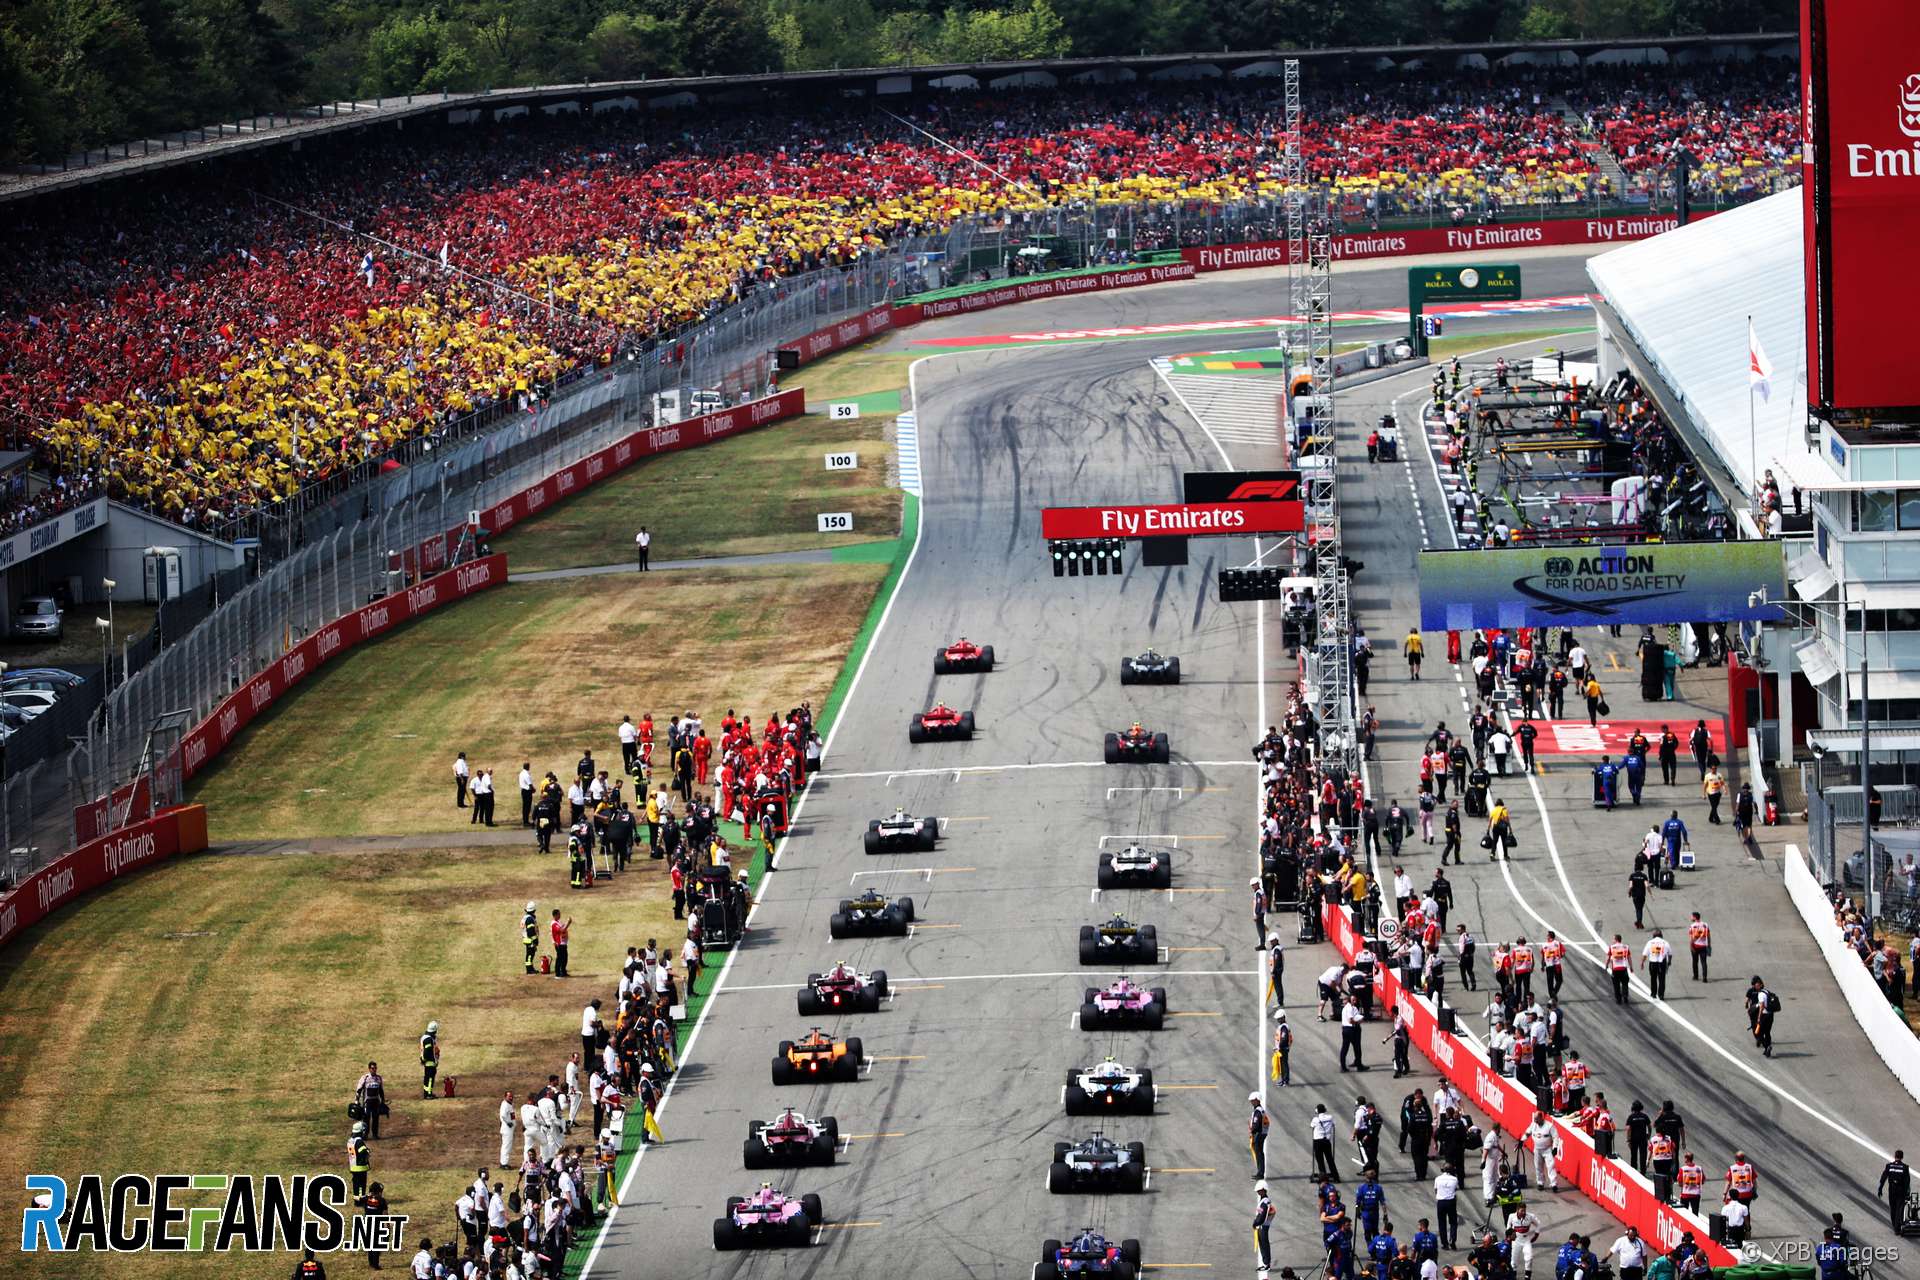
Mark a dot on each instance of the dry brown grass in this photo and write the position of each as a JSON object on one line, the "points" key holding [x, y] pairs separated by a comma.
{"points": [[213, 1015], [530, 672]]}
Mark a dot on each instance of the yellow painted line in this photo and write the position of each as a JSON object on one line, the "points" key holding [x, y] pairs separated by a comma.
{"points": [[924, 986], [847, 1226], [1194, 1013], [1171, 950], [1201, 791], [1196, 891], [1158, 1169], [1203, 837], [972, 818], [1187, 1086], [857, 1137], [1613, 663], [1173, 1266], [920, 928], [941, 871], [900, 1057]]}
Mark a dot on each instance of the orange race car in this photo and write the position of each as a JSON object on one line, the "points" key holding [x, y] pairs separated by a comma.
{"points": [[817, 1056]]}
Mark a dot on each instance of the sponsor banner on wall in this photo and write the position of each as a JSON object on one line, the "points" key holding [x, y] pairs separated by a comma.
{"points": [[1581, 586], [1174, 519], [1034, 290], [1860, 113], [847, 333], [212, 735], [1360, 245], [98, 861], [1614, 1186]]}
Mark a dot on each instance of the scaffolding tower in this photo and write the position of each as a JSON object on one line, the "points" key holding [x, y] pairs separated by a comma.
{"points": [[1309, 343]]}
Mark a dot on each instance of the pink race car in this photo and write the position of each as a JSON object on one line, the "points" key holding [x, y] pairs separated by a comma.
{"points": [[1123, 1004], [767, 1219]]}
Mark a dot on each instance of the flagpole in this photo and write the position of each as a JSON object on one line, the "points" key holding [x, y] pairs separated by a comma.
{"points": [[1753, 464]]}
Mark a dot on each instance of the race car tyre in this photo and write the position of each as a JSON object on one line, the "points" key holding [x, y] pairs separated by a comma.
{"points": [[845, 907], [830, 1127], [1078, 1104], [986, 658], [754, 1153], [1091, 992], [1113, 748], [1049, 1268], [1138, 1150], [1105, 877], [930, 833], [734, 1202], [916, 732], [1089, 951], [824, 1148], [1133, 1177], [810, 1003], [855, 1055], [810, 1205], [783, 1072], [1149, 940], [906, 907], [1130, 1253], [1143, 1096], [873, 824], [966, 724], [1060, 1150], [1089, 1016], [1173, 671], [837, 925], [880, 983], [754, 1127], [726, 1236], [1073, 1077], [1127, 674], [941, 666], [1154, 1017], [1163, 878], [1162, 752], [872, 842], [800, 1232], [1159, 995], [1059, 1178]]}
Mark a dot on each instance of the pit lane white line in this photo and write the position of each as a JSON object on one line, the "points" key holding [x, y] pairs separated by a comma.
{"points": [[957, 770], [1598, 960], [733, 953], [1088, 972]]}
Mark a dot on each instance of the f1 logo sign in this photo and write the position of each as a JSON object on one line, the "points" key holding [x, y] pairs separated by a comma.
{"points": [[1267, 490]]}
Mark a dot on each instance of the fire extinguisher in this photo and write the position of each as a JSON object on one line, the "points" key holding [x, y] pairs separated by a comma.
{"points": [[1772, 810], [546, 964]]}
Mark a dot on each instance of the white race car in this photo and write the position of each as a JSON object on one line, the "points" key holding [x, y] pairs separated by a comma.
{"points": [[1110, 1087]]}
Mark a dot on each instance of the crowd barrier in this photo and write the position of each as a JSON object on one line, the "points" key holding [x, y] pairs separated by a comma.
{"points": [[851, 332], [1886, 1031], [1615, 1186], [1042, 287], [100, 861]]}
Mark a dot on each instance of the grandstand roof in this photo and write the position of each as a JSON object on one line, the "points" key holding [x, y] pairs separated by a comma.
{"points": [[1685, 298]]}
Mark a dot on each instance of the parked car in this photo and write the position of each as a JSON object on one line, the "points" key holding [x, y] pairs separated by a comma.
{"points": [[30, 702], [37, 618], [50, 679]]}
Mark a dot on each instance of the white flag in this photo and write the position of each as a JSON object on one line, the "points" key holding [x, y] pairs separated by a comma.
{"points": [[1759, 368], [366, 268], [446, 247]]}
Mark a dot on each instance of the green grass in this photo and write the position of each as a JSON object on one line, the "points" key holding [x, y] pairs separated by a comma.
{"points": [[213, 1015], [863, 370], [1461, 344], [528, 672]]}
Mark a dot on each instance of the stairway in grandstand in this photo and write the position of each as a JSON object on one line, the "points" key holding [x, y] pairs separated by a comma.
{"points": [[1238, 410], [1603, 159]]}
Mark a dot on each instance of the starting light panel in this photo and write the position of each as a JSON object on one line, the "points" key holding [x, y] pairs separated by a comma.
{"points": [[1073, 558], [1250, 584]]}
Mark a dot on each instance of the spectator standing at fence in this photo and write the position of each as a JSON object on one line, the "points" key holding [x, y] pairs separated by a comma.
{"points": [[642, 546]]}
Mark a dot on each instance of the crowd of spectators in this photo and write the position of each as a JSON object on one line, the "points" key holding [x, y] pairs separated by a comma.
{"points": [[205, 344], [1741, 130]]}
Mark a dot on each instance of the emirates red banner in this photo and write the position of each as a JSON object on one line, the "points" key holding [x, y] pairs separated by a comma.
{"points": [[1033, 290], [1612, 1184], [1861, 113], [847, 333], [1359, 245], [181, 830], [1173, 520]]}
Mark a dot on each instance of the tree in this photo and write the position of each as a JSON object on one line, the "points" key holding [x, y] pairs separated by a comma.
{"points": [[1001, 35], [417, 54], [629, 46]]}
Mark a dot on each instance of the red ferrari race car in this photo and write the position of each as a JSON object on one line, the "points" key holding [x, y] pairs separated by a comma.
{"points": [[962, 655], [940, 721], [1136, 745]]}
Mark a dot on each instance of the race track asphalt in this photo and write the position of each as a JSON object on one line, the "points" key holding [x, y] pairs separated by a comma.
{"points": [[963, 1098]]}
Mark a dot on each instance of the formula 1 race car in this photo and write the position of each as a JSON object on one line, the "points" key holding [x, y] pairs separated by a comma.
{"points": [[1137, 867], [1119, 942], [1088, 1254], [1137, 746], [767, 1219], [817, 1056], [1110, 1087], [791, 1139], [871, 915], [1150, 667], [1097, 1164], [843, 989], [902, 831], [1122, 1004], [940, 721], [962, 655]]}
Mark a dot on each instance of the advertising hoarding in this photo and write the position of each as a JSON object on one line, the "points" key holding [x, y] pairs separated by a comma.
{"points": [[1645, 583]]}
